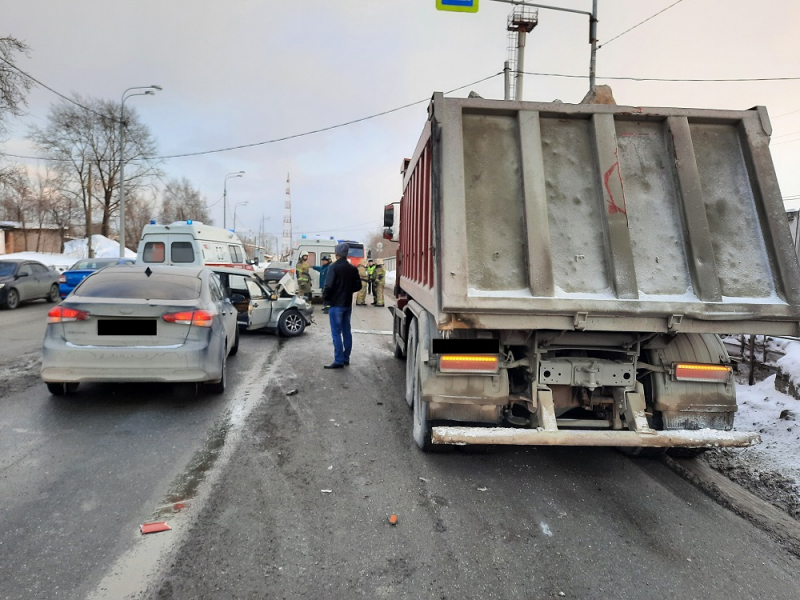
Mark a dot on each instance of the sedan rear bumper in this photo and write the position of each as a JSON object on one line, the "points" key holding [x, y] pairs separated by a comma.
{"points": [[69, 363]]}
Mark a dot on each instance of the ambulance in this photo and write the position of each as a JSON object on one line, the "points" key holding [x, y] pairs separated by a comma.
{"points": [[318, 248], [191, 243]]}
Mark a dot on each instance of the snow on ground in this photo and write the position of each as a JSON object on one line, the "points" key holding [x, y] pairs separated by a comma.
{"points": [[391, 276], [103, 248], [60, 262], [73, 251], [773, 414], [770, 469]]}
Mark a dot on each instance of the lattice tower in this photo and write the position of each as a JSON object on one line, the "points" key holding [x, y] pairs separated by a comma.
{"points": [[286, 249]]}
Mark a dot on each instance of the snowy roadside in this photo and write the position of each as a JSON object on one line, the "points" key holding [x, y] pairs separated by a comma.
{"points": [[771, 469]]}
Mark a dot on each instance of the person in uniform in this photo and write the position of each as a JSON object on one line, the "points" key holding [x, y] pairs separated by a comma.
{"points": [[361, 299], [378, 282], [303, 277], [370, 272], [323, 271]]}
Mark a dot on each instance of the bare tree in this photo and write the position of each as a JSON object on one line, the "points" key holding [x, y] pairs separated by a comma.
{"points": [[30, 200], [139, 210], [14, 85], [388, 247], [76, 139], [181, 202]]}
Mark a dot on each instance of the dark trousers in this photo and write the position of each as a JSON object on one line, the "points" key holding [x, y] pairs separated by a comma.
{"points": [[339, 317]]}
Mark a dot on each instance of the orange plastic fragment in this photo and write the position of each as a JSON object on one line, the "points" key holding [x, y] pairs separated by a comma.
{"points": [[154, 527], [393, 520]]}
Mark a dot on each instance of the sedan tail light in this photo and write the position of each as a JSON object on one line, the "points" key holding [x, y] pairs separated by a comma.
{"points": [[198, 318], [64, 314], [62, 279]]}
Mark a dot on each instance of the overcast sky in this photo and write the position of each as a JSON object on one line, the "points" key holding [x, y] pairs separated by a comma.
{"points": [[246, 71]]}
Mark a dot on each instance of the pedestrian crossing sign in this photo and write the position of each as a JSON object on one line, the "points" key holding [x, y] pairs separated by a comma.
{"points": [[457, 5]]}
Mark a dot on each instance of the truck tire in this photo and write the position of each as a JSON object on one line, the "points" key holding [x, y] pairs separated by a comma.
{"points": [[421, 429], [398, 351], [411, 362]]}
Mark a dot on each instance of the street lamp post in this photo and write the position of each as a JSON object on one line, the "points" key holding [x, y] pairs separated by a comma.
{"points": [[233, 175], [149, 92], [237, 205], [592, 30]]}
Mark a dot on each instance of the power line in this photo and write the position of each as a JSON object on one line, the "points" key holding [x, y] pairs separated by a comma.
{"points": [[323, 129], [616, 37], [410, 104], [57, 93], [665, 79], [285, 138]]}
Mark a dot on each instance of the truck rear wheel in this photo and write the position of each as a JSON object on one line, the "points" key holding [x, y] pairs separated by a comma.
{"points": [[411, 362], [421, 430]]}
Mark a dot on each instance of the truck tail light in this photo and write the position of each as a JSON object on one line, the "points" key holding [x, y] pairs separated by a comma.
{"points": [[198, 318], [64, 314], [468, 363], [703, 373]]}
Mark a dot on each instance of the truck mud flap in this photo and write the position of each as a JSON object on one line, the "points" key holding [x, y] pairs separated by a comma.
{"points": [[701, 438]]}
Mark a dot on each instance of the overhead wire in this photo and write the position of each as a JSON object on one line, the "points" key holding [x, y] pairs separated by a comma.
{"points": [[664, 79], [56, 92], [616, 37]]}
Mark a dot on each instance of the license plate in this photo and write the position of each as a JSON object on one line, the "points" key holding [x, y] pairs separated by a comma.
{"points": [[127, 327]]}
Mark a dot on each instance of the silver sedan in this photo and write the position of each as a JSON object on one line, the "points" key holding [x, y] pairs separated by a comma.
{"points": [[265, 305], [141, 323]]}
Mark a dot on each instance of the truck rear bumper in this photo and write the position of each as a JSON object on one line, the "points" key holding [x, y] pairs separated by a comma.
{"points": [[701, 438]]}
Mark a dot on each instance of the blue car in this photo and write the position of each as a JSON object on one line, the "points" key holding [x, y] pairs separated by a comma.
{"points": [[70, 278]]}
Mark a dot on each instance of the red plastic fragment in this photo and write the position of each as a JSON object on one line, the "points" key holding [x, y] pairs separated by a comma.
{"points": [[154, 527]]}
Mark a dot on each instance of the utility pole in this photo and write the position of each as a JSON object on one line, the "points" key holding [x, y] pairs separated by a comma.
{"points": [[522, 20], [592, 30], [90, 253]]}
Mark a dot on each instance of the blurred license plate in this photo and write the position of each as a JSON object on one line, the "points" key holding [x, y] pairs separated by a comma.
{"points": [[127, 327]]}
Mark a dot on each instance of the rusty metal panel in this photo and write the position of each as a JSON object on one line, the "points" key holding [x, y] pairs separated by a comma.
{"points": [[605, 217]]}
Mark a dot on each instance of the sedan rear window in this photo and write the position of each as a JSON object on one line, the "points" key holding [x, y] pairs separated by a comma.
{"points": [[93, 263], [159, 286]]}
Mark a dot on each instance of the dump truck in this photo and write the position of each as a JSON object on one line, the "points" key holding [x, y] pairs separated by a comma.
{"points": [[565, 271]]}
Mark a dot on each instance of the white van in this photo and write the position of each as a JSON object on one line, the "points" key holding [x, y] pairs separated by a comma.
{"points": [[317, 249], [185, 243]]}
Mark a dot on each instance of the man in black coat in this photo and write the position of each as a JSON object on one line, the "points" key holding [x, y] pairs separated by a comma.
{"points": [[341, 282]]}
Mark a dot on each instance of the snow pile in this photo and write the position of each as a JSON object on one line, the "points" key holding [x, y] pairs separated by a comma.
{"points": [[790, 362], [391, 276], [59, 262], [103, 248], [770, 469], [775, 416]]}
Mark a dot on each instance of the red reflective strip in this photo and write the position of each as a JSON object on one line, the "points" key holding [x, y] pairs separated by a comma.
{"points": [[463, 363], [696, 372]]}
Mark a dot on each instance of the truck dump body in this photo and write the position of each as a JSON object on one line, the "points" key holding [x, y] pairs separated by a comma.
{"points": [[520, 215]]}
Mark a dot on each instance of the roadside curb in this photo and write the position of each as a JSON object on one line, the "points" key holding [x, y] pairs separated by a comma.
{"points": [[774, 522]]}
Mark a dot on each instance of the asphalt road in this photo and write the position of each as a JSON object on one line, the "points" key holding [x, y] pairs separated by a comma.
{"points": [[78, 474], [301, 509], [282, 488]]}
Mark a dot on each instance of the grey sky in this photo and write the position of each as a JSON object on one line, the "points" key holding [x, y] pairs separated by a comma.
{"points": [[245, 71]]}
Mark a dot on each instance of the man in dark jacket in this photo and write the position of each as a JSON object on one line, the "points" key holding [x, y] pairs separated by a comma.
{"points": [[341, 282]]}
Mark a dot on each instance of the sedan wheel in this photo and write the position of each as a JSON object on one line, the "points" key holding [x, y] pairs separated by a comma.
{"points": [[235, 347], [54, 296], [218, 387], [62, 389], [12, 300], [291, 323]]}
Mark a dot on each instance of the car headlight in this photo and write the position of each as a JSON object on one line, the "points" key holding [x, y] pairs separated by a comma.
{"points": [[2, 285]]}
